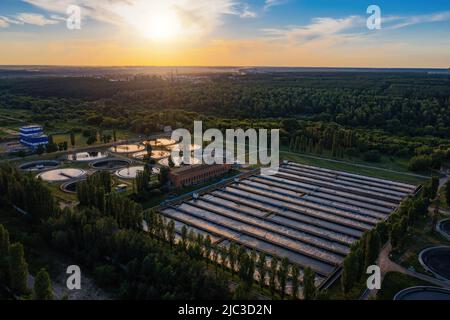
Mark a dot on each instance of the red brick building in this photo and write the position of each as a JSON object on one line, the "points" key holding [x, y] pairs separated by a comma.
{"points": [[195, 174]]}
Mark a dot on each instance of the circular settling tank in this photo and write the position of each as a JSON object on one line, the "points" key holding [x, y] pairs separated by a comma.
{"points": [[110, 164], [437, 261], [162, 142], [156, 154], [59, 175], [71, 186], [39, 165], [127, 148], [423, 293], [178, 161], [179, 147], [131, 172], [87, 156], [444, 228]]}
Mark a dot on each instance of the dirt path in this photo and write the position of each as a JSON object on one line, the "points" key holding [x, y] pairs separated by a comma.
{"points": [[387, 265]]}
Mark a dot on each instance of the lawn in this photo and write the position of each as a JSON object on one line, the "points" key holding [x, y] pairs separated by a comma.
{"points": [[80, 141], [394, 282], [399, 175]]}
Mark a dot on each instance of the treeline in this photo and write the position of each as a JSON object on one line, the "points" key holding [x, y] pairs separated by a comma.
{"points": [[14, 272], [26, 192], [396, 229], [385, 102], [340, 142], [447, 193]]}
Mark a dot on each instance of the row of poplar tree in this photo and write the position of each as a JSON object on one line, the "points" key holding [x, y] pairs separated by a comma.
{"points": [[396, 228]]}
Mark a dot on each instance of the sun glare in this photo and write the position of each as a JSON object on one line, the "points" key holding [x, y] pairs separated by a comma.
{"points": [[161, 26]]}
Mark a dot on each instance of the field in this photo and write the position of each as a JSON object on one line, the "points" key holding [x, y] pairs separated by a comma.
{"points": [[80, 141], [363, 168], [394, 282]]}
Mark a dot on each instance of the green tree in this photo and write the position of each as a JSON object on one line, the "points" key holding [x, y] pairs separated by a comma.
{"points": [[372, 248], [42, 286], [18, 269], [282, 276], [447, 192], [261, 266], [349, 276], [171, 232], [4, 253], [184, 233], [72, 139], [232, 257], [295, 281], [273, 276], [434, 186], [309, 288]]}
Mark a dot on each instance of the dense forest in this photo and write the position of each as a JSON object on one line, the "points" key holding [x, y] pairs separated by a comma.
{"points": [[400, 104]]}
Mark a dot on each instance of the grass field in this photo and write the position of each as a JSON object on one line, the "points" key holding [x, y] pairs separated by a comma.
{"points": [[378, 172], [394, 282], [80, 141]]}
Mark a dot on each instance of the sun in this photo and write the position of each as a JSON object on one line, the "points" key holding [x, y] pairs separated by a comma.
{"points": [[163, 26]]}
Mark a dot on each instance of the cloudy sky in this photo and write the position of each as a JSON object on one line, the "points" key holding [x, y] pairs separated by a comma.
{"points": [[413, 33]]}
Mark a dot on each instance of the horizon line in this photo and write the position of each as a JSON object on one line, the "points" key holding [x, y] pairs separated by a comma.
{"points": [[214, 66]]}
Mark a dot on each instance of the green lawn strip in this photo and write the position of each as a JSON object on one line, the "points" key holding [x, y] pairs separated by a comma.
{"points": [[351, 168], [80, 140], [386, 162], [394, 282]]}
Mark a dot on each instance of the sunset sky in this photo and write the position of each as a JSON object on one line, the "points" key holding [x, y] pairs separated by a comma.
{"points": [[226, 33]]}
